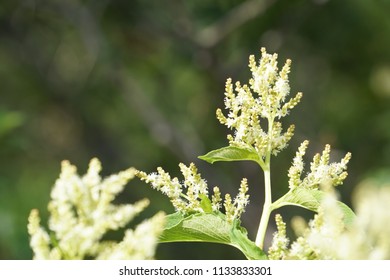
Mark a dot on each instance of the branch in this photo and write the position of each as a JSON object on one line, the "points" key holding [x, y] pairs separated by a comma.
{"points": [[212, 35]]}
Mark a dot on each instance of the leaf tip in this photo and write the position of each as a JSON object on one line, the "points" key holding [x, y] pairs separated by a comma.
{"points": [[206, 158]]}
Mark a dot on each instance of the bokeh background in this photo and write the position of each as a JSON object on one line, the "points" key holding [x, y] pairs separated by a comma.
{"points": [[136, 83]]}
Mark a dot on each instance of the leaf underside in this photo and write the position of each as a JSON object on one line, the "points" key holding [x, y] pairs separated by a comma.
{"points": [[209, 227], [230, 153], [311, 200]]}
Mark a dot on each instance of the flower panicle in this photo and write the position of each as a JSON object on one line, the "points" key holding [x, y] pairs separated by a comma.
{"points": [[188, 196], [322, 172], [264, 97], [216, 199], [280, 242], [81, 212], [137, 244]]}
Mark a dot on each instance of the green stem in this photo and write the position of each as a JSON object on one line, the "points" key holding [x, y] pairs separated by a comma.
{"points": [[267, 207]]}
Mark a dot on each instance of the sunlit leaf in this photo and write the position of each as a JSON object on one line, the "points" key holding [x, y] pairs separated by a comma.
{"points": [[230, 153], [209, 227], [205, 203], [311, 200]]}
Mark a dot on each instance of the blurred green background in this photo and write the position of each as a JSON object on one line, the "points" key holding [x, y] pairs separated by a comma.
{"points": [[136, 83]]}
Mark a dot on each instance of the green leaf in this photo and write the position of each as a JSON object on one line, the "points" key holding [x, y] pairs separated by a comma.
{"points": [[209, 227], [306, 198], [231, 153], [239, 239], [311, 200], [195, 227], [205, 203], [349, 215]]}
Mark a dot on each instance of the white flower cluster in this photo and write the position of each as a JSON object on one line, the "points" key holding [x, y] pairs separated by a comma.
{"points": [[328, 237], [196, 198], [246, 109], [321, 171], [82, 212], [369, 237], [279, 246], [233, 210]]}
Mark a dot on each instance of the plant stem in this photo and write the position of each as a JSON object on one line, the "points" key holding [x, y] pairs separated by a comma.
{"points": [[266, 210], [267, 207]]}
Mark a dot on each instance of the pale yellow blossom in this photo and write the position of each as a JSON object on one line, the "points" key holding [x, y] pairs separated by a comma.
{"points": [[265, 97], [321, 171], [192, 194], [82, 212]]}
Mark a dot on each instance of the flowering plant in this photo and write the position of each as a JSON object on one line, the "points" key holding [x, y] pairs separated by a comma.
{"points": [[82, 211]]}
